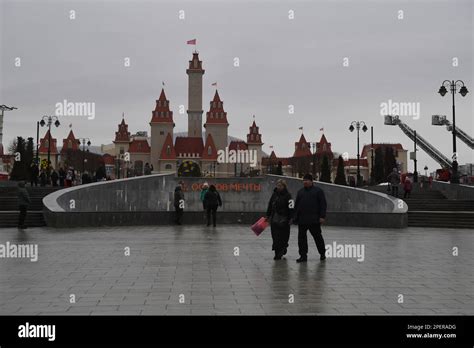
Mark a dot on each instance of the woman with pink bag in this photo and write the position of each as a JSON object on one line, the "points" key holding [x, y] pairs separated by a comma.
{"points": [[279, 214]]}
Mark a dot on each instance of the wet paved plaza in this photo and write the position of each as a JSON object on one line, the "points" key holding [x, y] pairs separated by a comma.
{"points": [[229, 271]]}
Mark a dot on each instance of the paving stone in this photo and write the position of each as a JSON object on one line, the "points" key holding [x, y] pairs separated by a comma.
{"points": [[90, 264]]}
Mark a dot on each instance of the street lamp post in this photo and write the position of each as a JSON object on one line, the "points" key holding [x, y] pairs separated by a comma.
{"points": [[84, 141], [313, 147], [48, 121], [3, 108], [358, 125], [453, 85], [415, 161], [372, 179]]}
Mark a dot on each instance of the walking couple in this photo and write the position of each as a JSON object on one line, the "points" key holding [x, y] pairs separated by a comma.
{"points": [[308, 211]]}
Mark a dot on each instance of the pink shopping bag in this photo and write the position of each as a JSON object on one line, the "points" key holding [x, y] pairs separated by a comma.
{"points": [[260, 226]]}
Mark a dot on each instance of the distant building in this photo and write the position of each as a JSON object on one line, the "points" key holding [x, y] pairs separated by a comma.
{"points": [[169, 153], [398, 150]]}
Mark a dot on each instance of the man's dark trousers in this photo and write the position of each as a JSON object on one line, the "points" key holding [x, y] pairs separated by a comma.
{"points": [[315, 230]]}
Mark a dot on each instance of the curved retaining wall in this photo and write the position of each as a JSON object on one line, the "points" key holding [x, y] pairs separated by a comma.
{"points": [[148, 200]]}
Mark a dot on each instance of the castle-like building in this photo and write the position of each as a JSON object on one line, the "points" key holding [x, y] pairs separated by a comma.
{"points": [[167, 152]]}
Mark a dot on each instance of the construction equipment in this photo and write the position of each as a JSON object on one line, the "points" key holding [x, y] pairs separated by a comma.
{"points": [[421, 142], [440, 120]]}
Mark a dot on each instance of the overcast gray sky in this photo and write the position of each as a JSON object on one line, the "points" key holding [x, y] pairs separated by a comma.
{"points": [[282, 62]]}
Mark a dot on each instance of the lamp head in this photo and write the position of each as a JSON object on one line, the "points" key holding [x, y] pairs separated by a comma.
{"points": [[57, 123], [351, 128], [442, 91], [364, 128], [42, 123], [463, 91]]}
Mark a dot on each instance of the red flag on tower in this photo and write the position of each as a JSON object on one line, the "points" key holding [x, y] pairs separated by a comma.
{"points": [[191, 42]]}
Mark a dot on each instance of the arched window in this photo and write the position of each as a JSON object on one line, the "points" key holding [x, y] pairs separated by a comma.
{"points": [[209, 150], [168, 166], [168, 150], [69, 144]]}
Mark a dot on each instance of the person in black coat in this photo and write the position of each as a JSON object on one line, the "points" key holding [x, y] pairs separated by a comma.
{"points": [[310, 213], [54, 178], [178, 203], [279, 214], [212, 200], [23, 201], [62, 176]]}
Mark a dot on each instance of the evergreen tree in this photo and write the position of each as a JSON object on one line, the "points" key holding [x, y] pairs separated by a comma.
{"points": [[340, 176], [19, 168], [325, 170], [378, 170], [29, 155], [389, 162]]}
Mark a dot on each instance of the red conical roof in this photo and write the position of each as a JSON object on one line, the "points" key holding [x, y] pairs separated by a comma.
{"points": [[165, 153], [195, 65], [302, 147], [209, 151], [162, 113], [122, 135], [70, 143], [254, 137], [216, 113], [43, 148], [323, 146]]}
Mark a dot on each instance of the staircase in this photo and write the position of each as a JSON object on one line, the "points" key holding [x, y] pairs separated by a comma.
{"points": [[9, 206], [430, 208]]}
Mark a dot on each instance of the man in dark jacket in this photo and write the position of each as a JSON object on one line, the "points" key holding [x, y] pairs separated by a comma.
{"points": [[310, 213], [23, 201], [34, 173], [178, 203], [212, 200]]}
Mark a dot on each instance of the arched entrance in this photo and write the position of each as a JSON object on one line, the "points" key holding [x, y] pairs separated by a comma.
{"points": [[189, 168]]}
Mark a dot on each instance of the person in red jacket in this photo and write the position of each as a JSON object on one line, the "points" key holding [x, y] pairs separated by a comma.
{"points": [[407, 187]]}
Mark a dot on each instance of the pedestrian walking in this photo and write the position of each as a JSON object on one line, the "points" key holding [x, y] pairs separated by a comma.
{"points": [[178, 203], [407, 187], [62, 176], [54, 178], [23, 201], [212, 200], [309, 214], [205, 188], [34, 173], [394, 180], [43, 178], [279, 214]]}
